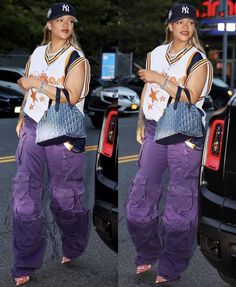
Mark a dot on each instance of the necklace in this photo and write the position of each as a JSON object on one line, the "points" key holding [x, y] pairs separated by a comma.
{"points": [[52, 55], [171, 54]]}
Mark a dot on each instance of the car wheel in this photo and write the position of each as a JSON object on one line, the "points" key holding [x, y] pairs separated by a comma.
{"points": [[97, 121], [230, 280]]}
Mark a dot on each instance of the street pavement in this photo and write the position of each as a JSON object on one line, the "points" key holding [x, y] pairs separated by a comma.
{"points": [[199, 274], [97, 267]]}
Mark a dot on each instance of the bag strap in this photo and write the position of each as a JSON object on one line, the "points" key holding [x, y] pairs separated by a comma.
{"points": [[177, 97], [58, 96], [187, 93], [67, 95]]}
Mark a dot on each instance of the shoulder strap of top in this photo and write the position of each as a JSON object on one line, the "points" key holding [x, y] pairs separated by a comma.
{"points": [[73, 57], [195, 58]]}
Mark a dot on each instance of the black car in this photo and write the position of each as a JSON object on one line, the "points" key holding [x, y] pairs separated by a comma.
{"points": [[94, 83], [105, 211], [133, 82], [104, 95], [217, 220], [10, 100], [99, 99], [220, 93]]}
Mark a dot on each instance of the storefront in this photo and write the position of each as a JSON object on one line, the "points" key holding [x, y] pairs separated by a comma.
{"points": [[212, 23]]}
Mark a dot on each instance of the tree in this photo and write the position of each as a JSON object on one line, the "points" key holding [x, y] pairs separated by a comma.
{"points": [[142, 25], [22, 22], [135, 26]]}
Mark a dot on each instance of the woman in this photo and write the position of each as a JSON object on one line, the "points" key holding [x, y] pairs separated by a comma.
{"points": [[171, 238], [58, 63]]}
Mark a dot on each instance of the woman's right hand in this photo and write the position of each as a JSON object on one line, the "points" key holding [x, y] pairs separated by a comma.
{"points": [[140, 134], [19, 126]]}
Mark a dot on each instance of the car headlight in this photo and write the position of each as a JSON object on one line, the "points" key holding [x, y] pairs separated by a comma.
{"points": [[134, 107], [110, 94], [96, 93], [230, 93]]}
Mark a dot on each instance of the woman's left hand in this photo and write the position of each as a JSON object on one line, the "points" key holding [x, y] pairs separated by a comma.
{"points": [[148, 76], [27, 83]]}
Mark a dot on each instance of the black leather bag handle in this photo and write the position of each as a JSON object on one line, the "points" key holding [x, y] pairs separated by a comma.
{"points": [[187, 93], [66, 93]]}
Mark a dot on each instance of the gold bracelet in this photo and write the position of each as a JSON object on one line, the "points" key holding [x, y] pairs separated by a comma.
{"points": [[165, 84]]}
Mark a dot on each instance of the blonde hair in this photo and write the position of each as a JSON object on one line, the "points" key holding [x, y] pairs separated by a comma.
{"points": [[47, 38], [195, 40]]}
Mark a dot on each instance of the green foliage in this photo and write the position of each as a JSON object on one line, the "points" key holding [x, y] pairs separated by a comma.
{"points": [[136, 25], [22, 22], [142, 24], [97, 24]]}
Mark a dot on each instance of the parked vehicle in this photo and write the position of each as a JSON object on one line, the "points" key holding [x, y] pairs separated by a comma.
{"points": [[132, 82], [10, 100], [94, 83], [9, 77], [220, 93], [105, 211], [103, 96], [217, 219]]}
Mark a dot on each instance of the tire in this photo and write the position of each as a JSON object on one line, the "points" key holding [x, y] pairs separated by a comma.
{"points": [[230, 280], [97, 121]]}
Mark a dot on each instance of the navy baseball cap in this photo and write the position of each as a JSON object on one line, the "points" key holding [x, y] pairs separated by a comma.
{"points": [[181, 11], [60, 9]]}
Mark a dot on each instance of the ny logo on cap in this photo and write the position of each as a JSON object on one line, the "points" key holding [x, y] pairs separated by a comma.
{"points": [[185, 9], [65, 8]]}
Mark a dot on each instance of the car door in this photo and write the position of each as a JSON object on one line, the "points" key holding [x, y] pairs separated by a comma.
{"points": [[8, 79]]}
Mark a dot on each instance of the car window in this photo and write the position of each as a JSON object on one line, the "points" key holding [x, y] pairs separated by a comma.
{"points": [[9, 76], [218, 82], [136, 82], [9, 92]]}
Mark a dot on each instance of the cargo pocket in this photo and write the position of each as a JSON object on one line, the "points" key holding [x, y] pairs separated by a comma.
{"points": [[142, 205], [73, 165], [177, 239], [64, 199], [181, 198], [20, 147], [79, 194], [191, 162], [141, 152], [23, 205]]}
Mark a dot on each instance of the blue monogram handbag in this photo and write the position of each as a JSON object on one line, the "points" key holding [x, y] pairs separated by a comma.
{"points": [[60, 123], [179, 122]]}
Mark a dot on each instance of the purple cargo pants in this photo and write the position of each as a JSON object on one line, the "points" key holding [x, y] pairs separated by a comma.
{"points": [[169, 237], [67, 203]]}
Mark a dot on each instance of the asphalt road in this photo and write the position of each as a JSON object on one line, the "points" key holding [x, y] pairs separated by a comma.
{"points": [[199, 273], [96, 267]]}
